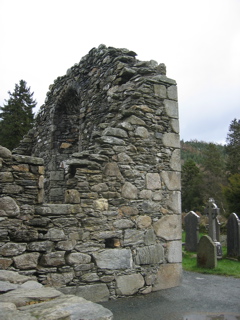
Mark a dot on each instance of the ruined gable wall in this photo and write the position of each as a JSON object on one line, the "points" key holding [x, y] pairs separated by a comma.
{"points": [[93, 95], [109, 137]]}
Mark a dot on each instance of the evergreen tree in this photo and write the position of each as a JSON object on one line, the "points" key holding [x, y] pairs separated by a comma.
{"points": [[233, 147], [214, 174], [16, 116], [232, 194], [232, 191], [213, 161], [192, 198]]}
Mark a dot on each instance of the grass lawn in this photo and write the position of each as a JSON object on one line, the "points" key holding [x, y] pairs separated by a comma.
{"points": [[225, 266]]}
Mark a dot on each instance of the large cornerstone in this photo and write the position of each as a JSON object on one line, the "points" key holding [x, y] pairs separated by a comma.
{"points": [[90, 200]]}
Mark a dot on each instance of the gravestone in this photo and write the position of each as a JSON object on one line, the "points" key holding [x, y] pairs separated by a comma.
{"points": [[233, 236], [213, 225], [206, 253], [191, 221]]}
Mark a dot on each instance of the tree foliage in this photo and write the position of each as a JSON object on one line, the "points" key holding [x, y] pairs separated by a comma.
{"points": [[214, 174], [232, 193], [16, 116], [233, 147], [211, 170], [197, 150], [210, 160], [213, 160], [192, 198]]}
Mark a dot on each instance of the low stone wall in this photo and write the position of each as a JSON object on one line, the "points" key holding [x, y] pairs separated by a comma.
{"points": [[83, 247], [109, 224], [21, 189]]}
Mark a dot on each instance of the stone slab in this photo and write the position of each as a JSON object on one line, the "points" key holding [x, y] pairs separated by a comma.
{"points": [[8, 207], [66, 307], [113, 259], [168, 276], [171, 140], [171, 108], [129, 284], [21, 297], [6, 286], [169, 227], [153, 181], [150, 255], [5, 153], [14, 277], [94, 292], [175, 161], [133, 237], [172, 92], [174, 251], [27, 260], [29, 160], [172, 180], [174, 201]]}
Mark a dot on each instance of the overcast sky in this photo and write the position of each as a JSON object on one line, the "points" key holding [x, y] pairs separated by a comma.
{"points": [[199, 41]]}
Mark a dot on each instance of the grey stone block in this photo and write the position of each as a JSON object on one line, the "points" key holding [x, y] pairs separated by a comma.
{"points": [[129, 284], [113, 259], [150, 255], [95, 292]]}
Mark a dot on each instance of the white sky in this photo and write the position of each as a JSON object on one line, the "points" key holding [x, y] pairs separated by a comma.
{"points": [[198, 40]]}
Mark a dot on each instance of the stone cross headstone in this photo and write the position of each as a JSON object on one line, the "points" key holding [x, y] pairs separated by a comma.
{"points": [[233, 236], [213, 225], [206, 253], [191, 222]]}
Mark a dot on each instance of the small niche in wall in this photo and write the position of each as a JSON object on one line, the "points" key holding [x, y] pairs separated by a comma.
{"points": [[112, 243], [71, 171]]}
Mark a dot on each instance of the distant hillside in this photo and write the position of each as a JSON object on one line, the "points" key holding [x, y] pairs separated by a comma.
{"points": [[194, 150]]}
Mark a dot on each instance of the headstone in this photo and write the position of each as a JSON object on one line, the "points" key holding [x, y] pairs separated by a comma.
{"points": [[233, 236], [206, 253], [213, 225], [191, 221]]}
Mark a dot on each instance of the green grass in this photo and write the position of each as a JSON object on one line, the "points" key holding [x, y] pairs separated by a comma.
{"points": [[225, 266]]}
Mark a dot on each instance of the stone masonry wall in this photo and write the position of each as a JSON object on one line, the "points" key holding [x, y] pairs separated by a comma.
{"points": [[21, 189], [110, 222]]}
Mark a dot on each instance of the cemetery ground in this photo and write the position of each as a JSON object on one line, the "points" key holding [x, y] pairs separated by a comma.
{"points": [[204, 294], [199, 297], [225, 267]]}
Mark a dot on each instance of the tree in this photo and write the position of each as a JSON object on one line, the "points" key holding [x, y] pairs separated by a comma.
{"points": [[232, 193], [214, 174], [233, 147], [16, 116], [213, 161], [192, 198]]}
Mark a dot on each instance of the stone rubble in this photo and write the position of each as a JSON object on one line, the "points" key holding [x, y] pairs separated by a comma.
{"points": [[21, 298]]}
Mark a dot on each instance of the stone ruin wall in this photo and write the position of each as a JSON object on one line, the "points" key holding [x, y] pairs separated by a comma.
{"points": [[105, 215]]}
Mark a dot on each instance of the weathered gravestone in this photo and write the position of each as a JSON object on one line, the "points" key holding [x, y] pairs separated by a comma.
{"points": [[213, 225], [206, 253], [233, 236], [191, 221]]}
